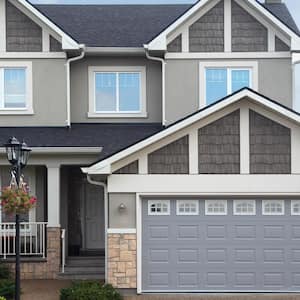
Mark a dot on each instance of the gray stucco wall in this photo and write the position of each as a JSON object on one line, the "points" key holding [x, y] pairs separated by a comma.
{"points": [[182, 84], [125, 218], [49, 95], [22, 34], [79, 87]]}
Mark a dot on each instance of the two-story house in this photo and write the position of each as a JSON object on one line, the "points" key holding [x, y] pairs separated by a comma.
{"points": [[165, 143]]}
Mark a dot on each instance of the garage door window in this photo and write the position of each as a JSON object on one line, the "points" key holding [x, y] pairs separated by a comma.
{"points": [[216, 207], [158, 207], [273, 207], [244, 207], [187, 207], [295, 207]]}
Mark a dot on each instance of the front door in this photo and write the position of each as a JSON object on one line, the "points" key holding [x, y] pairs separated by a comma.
{"points": [[94, 217]]}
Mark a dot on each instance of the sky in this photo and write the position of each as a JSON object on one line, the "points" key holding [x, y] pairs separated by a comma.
{"points": [[294, 5]]}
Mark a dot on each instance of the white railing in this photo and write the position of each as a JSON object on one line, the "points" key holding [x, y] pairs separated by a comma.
{"points": [[63, 250], [32, 239]]}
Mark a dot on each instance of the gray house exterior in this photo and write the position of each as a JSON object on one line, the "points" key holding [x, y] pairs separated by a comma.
{"points": [[165, 143]]}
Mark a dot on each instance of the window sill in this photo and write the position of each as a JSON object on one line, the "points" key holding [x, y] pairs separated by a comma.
{"points": [[12, 112], [117, 115]]}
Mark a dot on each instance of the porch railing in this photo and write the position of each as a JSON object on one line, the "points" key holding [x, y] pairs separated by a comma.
{"points": [[63, 250], [32, 239]]}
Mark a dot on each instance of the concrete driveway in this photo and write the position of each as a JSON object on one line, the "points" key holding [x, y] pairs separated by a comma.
{"points": [[49, 290]]}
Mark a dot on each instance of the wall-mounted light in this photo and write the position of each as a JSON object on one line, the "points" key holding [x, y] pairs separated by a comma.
{"points": [[122, 207]]}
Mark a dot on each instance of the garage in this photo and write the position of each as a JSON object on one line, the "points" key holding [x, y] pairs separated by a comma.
{"points": [[211, 245]]}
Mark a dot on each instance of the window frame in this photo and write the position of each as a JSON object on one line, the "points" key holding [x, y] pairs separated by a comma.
{"points": [[178, 213], [237, 202], [225, 213], [264, 213], [229, 65], [293, 213], [28, 109], [151, 202], [92, 113]]}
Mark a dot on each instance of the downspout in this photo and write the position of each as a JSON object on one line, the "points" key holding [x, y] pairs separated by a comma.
{"points": [[104, 185], [163, 68], [68, 63]]}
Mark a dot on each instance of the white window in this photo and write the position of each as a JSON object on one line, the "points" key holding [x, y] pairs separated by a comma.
{"points": [[273, 207], [158, 207], [216, 207], [15, 87], [117, 91], [244, 207], [295, 207], [187, 207], [217, 80]]}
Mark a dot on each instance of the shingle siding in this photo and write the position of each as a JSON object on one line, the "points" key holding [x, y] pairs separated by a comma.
{"points": [[248, 35], [207, 33], [55, 45], [22, 34], [170, 159], [270, 146], [219, 146], [175, 45], [280, 45], [132, 168]]}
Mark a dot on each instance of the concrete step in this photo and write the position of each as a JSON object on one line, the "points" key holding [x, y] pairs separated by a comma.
{"points": [[85, 261], [64, 276]]}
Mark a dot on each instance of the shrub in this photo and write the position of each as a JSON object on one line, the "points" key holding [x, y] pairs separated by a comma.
{"points": [[90, 290], [2, 298], [7, 284]]}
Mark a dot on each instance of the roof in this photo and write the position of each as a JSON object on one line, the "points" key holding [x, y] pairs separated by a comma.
{"points": [[112, 137], [127, 25], [103, 166]]}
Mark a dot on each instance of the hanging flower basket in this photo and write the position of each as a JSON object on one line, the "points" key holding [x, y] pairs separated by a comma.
{"points": [[16, 200]]}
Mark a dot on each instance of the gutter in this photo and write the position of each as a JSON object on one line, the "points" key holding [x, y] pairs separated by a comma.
{"points": [[163, 67], [68, 63]]}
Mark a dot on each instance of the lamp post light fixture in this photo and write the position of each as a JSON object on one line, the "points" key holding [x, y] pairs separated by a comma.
{"points": [[17, 154]]}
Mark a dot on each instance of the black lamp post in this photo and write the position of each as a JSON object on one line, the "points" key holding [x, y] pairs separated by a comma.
{"points": [[17, 155]]}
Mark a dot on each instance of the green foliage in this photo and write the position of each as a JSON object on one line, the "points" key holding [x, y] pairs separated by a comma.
{"points": [[2, 298], [5, 272], [90, 290], [7, 284]]}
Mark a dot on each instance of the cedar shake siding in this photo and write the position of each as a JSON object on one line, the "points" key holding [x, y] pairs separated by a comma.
{"points": [[280, 45], [175, 45], [55, 45], [248, 35], [132, 168], [22, 34], [170, 159], [207, 34], [219, 146], [270, 146]]}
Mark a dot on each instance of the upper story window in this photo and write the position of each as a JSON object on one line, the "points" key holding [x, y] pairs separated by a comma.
{"points": [[117, 92], [219, 79], [15, 88]]}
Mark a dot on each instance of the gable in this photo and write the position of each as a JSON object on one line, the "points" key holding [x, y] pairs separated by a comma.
{"points": [[227, 25]]}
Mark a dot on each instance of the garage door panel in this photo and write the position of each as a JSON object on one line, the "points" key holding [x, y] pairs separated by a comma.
{"points": [[220, 252]]}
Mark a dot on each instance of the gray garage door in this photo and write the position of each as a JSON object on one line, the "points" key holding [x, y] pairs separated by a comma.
{"points": [[213, 251]]}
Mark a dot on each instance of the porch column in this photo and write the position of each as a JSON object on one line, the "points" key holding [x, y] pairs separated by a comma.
{"points": [[53, 187]]}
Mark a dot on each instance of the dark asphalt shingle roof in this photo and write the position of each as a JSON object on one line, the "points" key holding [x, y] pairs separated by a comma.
{"points": [[112, 137], [126, 25]]}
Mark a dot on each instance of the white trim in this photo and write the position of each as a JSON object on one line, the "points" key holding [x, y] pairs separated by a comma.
{"points": [[227, 26], [185, 44], [179, 202], [252, 66], [228, 55], [92, 70], [103, 166], [46, 40], [2, 25], [237, 202], [139, 249], [162, 202], [121, 230], [114, 50], [271, 40], [219, 213], [293, 202], [193, 152], [265, 202], [143, 164], [26, 55], [244, 141], [28, 71]]}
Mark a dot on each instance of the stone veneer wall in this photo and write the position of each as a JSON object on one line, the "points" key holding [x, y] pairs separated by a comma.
{"points": [[48, 269], [122, 260]]}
